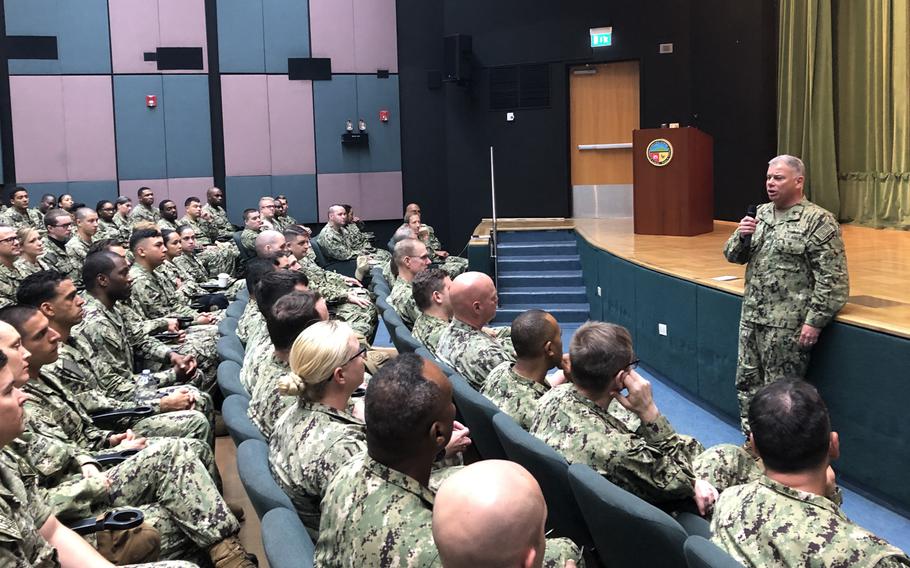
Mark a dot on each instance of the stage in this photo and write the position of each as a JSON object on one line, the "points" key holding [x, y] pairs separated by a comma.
{"points": [[878, 262]]}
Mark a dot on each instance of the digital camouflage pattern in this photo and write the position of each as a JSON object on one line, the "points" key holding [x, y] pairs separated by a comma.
{"points": [[108, 230], [26, 268], [471, 352], [375, 516], [125, 228], [10, 278], [796, 274], [767, 524], [77, 250], [217, 224], [333, 288], [402, 299], [258, 349], [55, 255], [248, 239], [22, 512], [165, 224], [310, 442], [334, 245], [427, 330], [141, 213], [514, 394], [248, 320], [266, 403], [32, 218]]}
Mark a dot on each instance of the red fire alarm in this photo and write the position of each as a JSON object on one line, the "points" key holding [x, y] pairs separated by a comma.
{"points": [[151, 101], [383, 116]]}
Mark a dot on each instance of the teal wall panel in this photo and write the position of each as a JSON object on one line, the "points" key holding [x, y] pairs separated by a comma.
{"points": [[617, 283], [243, 192], [241, 47], [588, 256], [91, 192], [187, 125], [373, 95], [718, 338], [141, 152], [334, 102], [286, 26], [301, 193]]}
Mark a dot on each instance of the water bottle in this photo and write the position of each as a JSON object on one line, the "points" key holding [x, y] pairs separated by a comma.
{"points": [[146, 388]]}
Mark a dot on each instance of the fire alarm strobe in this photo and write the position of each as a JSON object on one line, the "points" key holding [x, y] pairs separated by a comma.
{"points": [[151, 101], [384, 116]]}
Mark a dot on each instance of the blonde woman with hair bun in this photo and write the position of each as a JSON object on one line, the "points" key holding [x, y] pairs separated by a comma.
{"points": [[317, 434], [29, 262]]}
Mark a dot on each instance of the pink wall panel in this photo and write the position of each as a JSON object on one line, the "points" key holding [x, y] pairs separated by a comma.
{"points": [[130, 188], [134, 31], [337, 188], [332, 33], [375, 36], [380, 195], [38, 128], [293, 141], [89, 124], [181, 188], [244, 99], [182, 24]]}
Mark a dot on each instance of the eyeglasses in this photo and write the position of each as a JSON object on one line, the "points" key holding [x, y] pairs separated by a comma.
{"points": [[634, 364], [361, 353], [13, 239], [65, 225]]}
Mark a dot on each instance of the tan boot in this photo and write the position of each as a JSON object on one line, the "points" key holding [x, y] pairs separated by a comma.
{"points": [[229, 553]]}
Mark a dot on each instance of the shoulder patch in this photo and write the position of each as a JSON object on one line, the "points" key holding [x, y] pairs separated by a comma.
{"points": [[824, 233]]}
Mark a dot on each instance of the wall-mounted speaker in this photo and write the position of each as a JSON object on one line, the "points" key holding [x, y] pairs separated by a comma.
{"points": [[457, 59]]}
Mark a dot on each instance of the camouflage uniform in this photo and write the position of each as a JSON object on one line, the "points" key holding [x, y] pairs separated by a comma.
{"points": [[74, 368], [335, 290], [165, 224], [652, 461], [258, 350], [471, 352], [107, 230], [248, 320], [427, 330], [266, 403], [514, 394], [191, 266], [375, 516], [26, 268], [124, 227], [218, 225], [796, 274], [10, 277], [338, 244], [23, 511], [310, 442], [32, 218], [77, 250], [188, 288], [248, 239], [765, 523], [55, 255], [142, 213], [202, 236], [402, 299]]}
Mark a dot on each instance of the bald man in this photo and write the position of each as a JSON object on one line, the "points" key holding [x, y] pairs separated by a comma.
{"points": [[464, 345], [338, 243], [411, 257], [269, 243], [492, 513]]}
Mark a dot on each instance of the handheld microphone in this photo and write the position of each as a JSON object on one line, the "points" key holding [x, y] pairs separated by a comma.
{"points": [[751, 211]]}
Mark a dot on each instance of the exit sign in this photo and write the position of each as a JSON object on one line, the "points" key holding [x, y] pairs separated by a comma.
{"points": [[601, 37]]}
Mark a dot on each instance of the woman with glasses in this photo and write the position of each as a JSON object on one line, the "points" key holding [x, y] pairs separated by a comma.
{"points": [[32, 248]]}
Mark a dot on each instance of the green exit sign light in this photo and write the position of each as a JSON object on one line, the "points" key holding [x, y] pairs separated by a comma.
{"points": [[601, 37]]}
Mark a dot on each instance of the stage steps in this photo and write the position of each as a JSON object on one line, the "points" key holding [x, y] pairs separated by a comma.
{"points": [[541, 269]]}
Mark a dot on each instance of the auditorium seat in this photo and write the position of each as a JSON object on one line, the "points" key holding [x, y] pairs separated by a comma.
{"points": [[627, 531], [383, 304], [253, 466], [449, 371], [381, 289], [392, 320], [404, 341], [228, 326], [229, 379], [286, 542], [478, 412], [230, 349], [702, 553], [241, 428], [552, 473], [693, 524]]}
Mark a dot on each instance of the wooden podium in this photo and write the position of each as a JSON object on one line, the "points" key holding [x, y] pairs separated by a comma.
{"points": [[675, 196]]}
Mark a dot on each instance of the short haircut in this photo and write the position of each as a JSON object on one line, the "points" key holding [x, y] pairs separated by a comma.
{"points": [[256, 268], [276, 284], [83, 212], [289, 315], [16, 315], [425, 283], [791, 162], [278, 254], [598, 351], [140, 235], [141, 189], [163, 203], [400, 405], [123, 199], [166, 234], [46, 195], [401, 233], [404, 248], [531, 329], [100, 205], [347, 207], [248, 212], [78, 205], [39, 287], [790, 425], [188, 200], [184, 228], [50, 218], [294, 231], [96, 263], [17, 190], [103, 245]]}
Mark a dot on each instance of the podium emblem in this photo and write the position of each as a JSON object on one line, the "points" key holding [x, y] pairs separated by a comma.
{"points": [[659, 152]]}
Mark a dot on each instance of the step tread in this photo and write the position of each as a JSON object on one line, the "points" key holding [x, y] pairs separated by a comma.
{"points": [[542, 257], [537, 244], [555, 306], [539, 274], [544, 290]]}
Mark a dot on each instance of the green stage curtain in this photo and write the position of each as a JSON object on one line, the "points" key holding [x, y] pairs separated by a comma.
{"points": [[843, 104]]}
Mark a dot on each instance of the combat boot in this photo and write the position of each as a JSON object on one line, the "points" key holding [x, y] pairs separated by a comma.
{"points": [[229, 553]]}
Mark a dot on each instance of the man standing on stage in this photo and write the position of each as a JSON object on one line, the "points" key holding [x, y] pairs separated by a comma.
{"points": [[796, 281]]}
